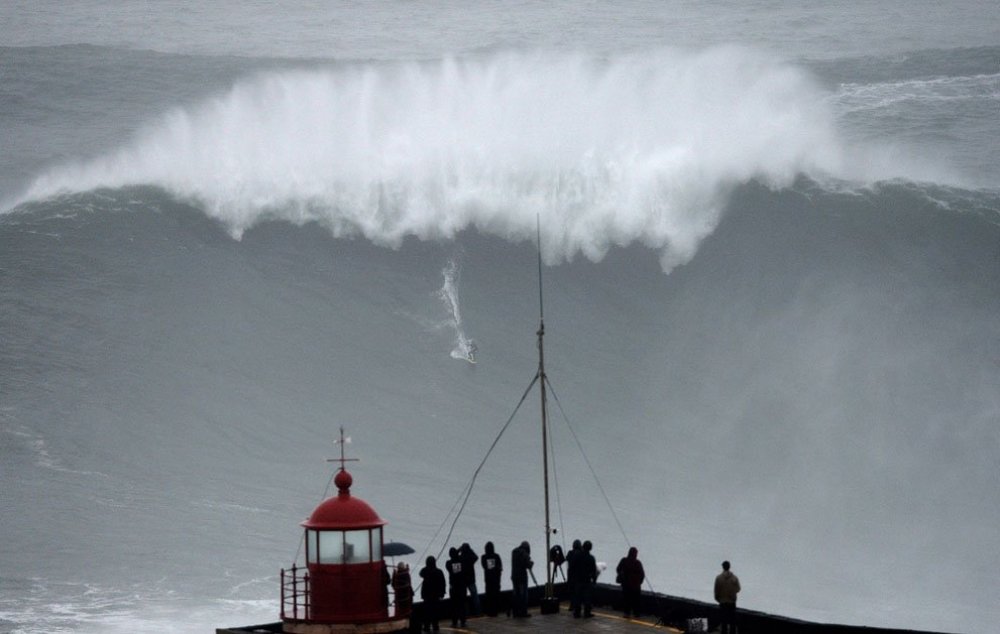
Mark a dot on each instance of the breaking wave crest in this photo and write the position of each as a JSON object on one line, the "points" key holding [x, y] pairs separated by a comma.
{"points": [[608, 151]]}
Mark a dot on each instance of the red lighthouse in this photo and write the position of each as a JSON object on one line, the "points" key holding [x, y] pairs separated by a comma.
{"points": [[344, 587]]}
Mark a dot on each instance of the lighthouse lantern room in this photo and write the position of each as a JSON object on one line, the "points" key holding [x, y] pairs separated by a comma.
{"points": [[344, 587]]}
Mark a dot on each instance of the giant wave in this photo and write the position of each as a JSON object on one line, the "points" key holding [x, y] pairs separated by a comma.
{"points": [[610, 151], [830, 342]]}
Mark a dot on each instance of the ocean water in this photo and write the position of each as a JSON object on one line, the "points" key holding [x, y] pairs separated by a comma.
{"points": [[771, 236]]}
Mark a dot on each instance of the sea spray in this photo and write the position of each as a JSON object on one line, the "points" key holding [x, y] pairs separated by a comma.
{"points": [[609, 151]]}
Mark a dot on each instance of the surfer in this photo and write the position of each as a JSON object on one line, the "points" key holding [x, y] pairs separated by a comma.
{"points": [[471, 351]]}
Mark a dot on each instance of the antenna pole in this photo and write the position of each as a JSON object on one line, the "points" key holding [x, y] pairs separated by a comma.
{"points": [[545, 433], [538, 234]]}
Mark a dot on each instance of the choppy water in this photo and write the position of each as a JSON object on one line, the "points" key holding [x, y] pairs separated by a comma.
{"points": [[773, 274]]}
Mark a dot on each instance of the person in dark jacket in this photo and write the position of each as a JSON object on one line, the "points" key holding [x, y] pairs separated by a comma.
{"points": [[431, 592], [469, 559], [520, 565], [630, 576], [492, 571], [727, 586], [457, 587], [402, 589], [588, 576], [573, 577], [386, 582], [557, 559]]}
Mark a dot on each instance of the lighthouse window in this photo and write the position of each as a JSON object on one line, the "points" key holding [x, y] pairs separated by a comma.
{"points": [[312, 547], [357, 547], [377, 544], [344, 547], [331, 547]]}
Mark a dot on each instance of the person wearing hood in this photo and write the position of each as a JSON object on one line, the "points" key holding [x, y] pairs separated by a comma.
{"points": [[573, 570], [630, 576], [520, 566], [492, 571], [431, 592], [469, 559], [587, 579], [457, 584]]}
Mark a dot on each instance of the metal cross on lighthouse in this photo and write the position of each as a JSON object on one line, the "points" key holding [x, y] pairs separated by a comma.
{"points": [[342, 441]]}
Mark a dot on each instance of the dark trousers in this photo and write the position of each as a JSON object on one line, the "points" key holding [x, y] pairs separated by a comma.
{"points": [[432, 613], [474, 595], [458, 605], [492, 599], [581, 597], [630, 597], [520, 598], [727, 618]]}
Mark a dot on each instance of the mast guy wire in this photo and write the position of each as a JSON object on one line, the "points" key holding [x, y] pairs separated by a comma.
{"points": [[467, 490]]}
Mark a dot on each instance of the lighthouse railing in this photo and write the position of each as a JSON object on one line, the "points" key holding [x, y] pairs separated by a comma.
{"points": [[295, 605]]}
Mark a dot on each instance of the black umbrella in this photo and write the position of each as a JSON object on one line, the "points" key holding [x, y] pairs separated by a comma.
{"points": [[396, 549]]}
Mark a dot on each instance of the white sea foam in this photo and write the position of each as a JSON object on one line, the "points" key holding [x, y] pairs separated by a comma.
{"points": [[610, 151], [944, 89], [465, 348], [48, 607], [39, 449]]}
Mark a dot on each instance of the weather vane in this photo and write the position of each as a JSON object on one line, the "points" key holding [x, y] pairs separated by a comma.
{"points": [[342, 441]]}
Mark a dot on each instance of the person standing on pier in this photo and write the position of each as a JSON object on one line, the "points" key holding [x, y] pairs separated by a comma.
{"points": [[573, 577], [520, 565], [492, 571], [402, 589], [457, 585], [469, 559], [431, 592], [588, 577], [727, 586], [630, 576]]}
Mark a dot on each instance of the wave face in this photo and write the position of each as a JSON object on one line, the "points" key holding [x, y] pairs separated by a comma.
{"points": [[813, 396], [197, 292], [610, 152]]}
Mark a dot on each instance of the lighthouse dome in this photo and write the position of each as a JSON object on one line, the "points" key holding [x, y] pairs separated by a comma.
{"points": [[343, 511]]}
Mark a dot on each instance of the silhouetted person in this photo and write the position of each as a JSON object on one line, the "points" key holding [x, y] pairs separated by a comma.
{"points": [[457, 587], [431, 592], [403, 589], [630, 576], [492, 571], [469, 559], [386, 581], [588, 576], [557, 558], [727, 586], [573, 577], [520, 564]]}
